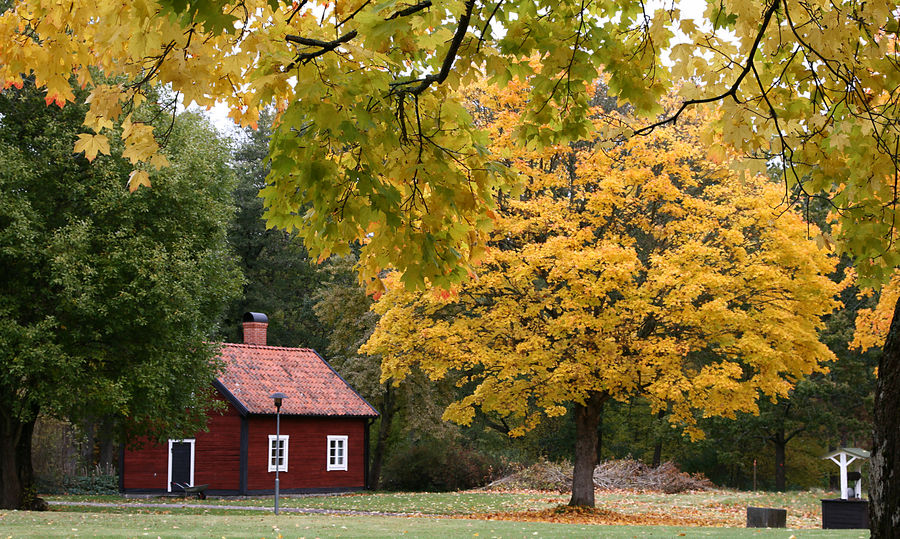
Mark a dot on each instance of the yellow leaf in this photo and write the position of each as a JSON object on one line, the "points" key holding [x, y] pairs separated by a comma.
{"points": [[91, 145], [137, 179], [159, 161]]}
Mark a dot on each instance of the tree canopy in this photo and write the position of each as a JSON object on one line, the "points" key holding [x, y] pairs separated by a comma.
{"points": [[280, 278], [371, 133], [108, 299], [872, 324], [648, 269]]}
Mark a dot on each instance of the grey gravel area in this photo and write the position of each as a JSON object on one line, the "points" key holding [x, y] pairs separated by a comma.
{"points": [[234, 507]]}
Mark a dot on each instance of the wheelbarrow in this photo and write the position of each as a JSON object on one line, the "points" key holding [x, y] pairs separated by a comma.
{"points": [[199, 490]]}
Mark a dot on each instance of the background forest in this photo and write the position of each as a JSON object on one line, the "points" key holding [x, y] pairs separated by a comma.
{"points": [[323, 306]]}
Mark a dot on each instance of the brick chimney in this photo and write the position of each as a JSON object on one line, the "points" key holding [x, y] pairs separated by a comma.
{"points": [[255, 325]]}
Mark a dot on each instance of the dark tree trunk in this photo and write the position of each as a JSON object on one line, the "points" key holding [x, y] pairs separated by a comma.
{"points": [[780, 450], [88, 433], [600, 437], [384, 430], [657, 448], [16, 473], [107, 441], [587, 419], [884, 484]]}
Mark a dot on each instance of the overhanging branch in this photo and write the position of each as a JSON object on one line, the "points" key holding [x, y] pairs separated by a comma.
{"points": [[732, 91], [410, 10], [323, 46], [422, 84]]}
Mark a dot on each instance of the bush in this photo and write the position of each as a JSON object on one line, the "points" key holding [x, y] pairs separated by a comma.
{"points": [[94, 483], [436, 466]]}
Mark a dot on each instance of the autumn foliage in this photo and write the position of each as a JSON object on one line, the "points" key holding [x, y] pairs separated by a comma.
{"points": [[872, 325], [643, 269]]}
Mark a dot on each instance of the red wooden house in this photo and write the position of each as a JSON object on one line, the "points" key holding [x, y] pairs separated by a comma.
{"points": [[323, 437]]}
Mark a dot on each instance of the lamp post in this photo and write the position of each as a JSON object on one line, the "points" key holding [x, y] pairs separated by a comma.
{"points": [[279, 454]]}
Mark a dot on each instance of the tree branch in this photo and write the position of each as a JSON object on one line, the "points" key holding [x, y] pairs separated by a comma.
{"points": [[295, 11], [501, 426], [350, 16], [487, 25], [410, 10], [324, 47], [796, 432], [441, 76], [328, 46], [732, 91]]}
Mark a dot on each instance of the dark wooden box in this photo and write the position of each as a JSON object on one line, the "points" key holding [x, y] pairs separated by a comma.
{"points": [[766, 517], [845, 514]]}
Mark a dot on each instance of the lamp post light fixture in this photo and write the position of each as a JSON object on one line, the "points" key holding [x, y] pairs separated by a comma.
{"points": [[279, 453]]}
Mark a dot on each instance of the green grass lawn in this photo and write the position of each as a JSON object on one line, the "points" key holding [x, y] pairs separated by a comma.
{"points": [[435, 515], [16, 524], [428, 503], [725, 507]]}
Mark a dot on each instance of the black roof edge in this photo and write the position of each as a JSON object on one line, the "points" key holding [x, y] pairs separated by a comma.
{"points": [[353, 389], [230, 397]]}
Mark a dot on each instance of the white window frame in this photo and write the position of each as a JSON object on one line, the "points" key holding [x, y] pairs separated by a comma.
{"points": [[193, 443], [341, 464], [284, 465]]}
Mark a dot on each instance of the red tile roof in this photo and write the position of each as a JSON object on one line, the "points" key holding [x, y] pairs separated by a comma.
{"points": [[253, 373]]}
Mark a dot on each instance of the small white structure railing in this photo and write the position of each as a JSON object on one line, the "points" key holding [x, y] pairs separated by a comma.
{"points": [[843, 457]]}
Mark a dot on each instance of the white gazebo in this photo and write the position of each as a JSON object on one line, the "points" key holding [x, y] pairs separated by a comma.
{"points": [[843, 457]]}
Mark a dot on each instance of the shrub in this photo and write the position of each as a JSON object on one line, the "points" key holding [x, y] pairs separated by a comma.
{"points": [[436, 465], [97, 481]]}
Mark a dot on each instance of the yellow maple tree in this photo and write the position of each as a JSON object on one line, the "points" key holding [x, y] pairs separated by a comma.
{"points": [[643, 269], [872, 325]]}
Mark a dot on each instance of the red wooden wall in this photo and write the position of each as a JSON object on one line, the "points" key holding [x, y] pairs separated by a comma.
{"points": [[307, 453], [146, 468], [217, 453], [216, 457]]}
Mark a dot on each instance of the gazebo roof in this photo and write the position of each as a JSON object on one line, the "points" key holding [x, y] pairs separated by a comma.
{"points": [[851, 451]]}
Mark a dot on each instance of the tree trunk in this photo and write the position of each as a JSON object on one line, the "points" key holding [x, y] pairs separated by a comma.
{"points": [[107, 438], [86, 453], [780, 450], [384, 430], [587, 419], [657, 448], [600, 437], [884, 484], [16, 473]]}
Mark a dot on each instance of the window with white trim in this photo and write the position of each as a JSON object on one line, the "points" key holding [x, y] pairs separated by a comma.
{"points": [[337, 453], [278, 452]]}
